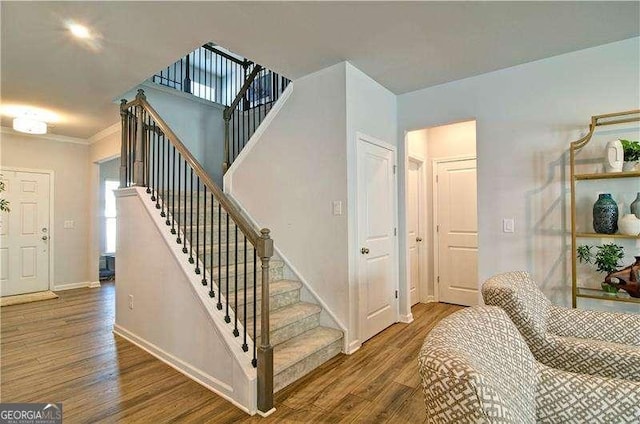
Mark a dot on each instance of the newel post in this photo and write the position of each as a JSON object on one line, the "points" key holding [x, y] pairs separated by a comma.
{"points": [[138, 165], [124, 160], [227, 118], [265, 350]]}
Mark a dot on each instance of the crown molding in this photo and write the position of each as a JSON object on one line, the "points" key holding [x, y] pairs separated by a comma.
{"points": [[48, 136], [110, 130]]}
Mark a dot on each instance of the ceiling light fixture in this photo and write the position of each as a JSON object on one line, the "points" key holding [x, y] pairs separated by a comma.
{"points": [[29, 126], [79, 31]]}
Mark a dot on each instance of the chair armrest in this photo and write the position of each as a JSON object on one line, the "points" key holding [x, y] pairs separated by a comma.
{"points": [[589, 356], [571, 398], [615, 327]]}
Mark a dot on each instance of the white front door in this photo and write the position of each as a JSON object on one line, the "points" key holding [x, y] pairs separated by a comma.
{"points": [[415, 231], [24, 233], [457, 232], [377, 267]]}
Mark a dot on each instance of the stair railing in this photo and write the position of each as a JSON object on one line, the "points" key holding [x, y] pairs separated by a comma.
{"points": [[261, 89], [152, 156]]}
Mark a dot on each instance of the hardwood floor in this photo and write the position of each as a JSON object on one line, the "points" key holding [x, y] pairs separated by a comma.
{"points": [[63, 350]]}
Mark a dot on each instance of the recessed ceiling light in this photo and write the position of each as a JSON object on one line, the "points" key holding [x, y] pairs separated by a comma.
{"points": [[79, 31]]}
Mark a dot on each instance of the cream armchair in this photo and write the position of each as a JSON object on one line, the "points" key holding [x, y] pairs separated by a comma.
{"points": [[476, 368], [598, 343]]}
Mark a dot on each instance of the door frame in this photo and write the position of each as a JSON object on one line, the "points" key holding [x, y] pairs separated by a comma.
{"points": [[356, 252], [436, 234], [52, 239], [422, 201]]}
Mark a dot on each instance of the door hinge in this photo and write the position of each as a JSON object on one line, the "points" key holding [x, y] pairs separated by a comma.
{"points": [[396, 294], [394, 169], [438, 279], [437, 228], [436, 178], [395, 231]]}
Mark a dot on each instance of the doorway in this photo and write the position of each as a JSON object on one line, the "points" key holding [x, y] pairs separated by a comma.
{"points": [[377, 242], [441, 267], [109, 181], [25, 231]]}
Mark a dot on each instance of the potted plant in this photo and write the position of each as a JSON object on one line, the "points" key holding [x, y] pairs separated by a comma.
{"points": [[606, 259], [631, 151]]}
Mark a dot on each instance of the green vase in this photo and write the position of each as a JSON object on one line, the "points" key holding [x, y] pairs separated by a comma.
{"points": [[605, 215]]}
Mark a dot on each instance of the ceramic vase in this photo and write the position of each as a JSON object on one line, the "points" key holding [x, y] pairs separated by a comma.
{"points": [[635, 206], [605, 215], [614, 156], [629, 225]]}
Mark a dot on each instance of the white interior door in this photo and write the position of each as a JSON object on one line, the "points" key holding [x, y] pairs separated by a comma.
{"points": [[377, 267], [457, 231], [24, 233], [415, 227]]}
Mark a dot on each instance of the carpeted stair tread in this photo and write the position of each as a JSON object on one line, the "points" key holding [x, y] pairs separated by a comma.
{"points": [[300, 347]]}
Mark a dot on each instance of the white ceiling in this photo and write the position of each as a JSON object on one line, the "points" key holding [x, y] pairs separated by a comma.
{"points": [[403, 45]]}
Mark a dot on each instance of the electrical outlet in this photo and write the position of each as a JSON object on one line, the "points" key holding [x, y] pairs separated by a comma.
{"points": [[130, 301]]}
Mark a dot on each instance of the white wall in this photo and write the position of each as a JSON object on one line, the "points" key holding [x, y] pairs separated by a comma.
{"points": [[526, 117], [70, 163], [302, 162], [371, 110], [288, 181], [172, 315]]}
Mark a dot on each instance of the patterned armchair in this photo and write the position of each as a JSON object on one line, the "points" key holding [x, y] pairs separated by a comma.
{"points": [[605, 344], [476, 368]]}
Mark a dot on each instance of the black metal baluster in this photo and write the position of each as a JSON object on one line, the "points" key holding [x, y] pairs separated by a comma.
{"points": [[158, 154], [191, 217], [184, 210], [235, 285], [211, 292], [204, 233], [173, 191], [152, 182], [162, 171], [219, 305], [254, 361], [165, 178], [245, 347], [227, 319], [197, 270], [147, 152], [178, 240]]}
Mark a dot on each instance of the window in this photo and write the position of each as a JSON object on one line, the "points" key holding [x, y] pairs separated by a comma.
{"points": [[110, 215], [203, 91]]}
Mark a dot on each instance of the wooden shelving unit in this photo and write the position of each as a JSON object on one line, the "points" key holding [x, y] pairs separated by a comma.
{"points": [[597, 121]]}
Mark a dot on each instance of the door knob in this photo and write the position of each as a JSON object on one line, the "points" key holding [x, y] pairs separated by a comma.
{"points": [[418, 239], [45, 238], [364, 251]]}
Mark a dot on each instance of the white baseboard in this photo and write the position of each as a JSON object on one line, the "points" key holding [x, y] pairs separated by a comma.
{"points": [[407, 319], [80, 285], [353, 347], [218, 387]]}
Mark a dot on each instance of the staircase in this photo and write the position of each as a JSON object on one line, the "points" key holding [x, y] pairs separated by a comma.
{"points": [[253, 291], [300, 343]]}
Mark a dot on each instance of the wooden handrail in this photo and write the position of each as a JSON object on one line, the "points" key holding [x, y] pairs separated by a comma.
{"points": [[245, 226], [245, 87]]}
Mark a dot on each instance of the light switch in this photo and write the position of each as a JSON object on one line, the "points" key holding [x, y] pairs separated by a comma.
{"points": [[69, 224], [337, 207], [508, 225]]}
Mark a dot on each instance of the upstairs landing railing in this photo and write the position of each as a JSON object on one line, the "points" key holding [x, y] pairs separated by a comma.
{"points": [[220, 243]]}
